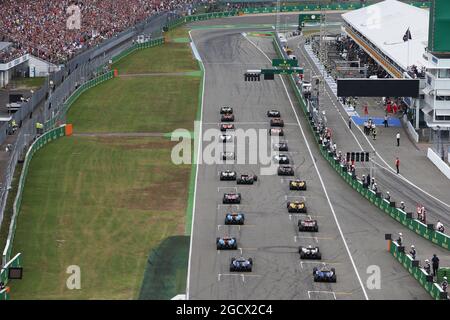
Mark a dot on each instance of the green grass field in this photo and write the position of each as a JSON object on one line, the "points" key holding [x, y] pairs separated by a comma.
{"points": [[105, 202], [172, 57], [137, 104]]}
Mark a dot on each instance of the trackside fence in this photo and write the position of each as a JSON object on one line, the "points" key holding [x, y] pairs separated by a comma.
{"points": [[37, 145], [425, 280], [426, 231], [61, 115]]}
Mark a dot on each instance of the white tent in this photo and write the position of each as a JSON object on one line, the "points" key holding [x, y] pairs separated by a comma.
{"points": [[384, 24]]}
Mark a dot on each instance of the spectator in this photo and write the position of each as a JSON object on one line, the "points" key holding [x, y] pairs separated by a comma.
{"points": [[39, 27], [440, 226], [427, 267], [413, 252], [444, 284], [400, 239], [435, 264]]}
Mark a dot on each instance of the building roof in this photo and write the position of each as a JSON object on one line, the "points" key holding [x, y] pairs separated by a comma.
{"points": [[385, 23], [4, 45]]}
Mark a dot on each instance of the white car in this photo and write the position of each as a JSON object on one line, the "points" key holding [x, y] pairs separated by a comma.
{"points": [[281, 159]]}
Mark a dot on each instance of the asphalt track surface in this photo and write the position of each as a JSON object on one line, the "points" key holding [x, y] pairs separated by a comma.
{"points": [[270, 234]]}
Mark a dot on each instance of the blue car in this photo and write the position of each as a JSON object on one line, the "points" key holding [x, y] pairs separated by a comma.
{"points": [[241, 264], [323, 274], [234, 218]]}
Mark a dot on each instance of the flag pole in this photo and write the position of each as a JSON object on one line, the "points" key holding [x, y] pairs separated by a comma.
{"points": [[407, 60]]}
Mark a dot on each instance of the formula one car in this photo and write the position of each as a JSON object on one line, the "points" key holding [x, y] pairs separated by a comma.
{"points": [[224, 138], [281, 146], [226, 110], [273, 113], [297, 185], [226, 243], [296, 207], [324, 274], [226, 126], [276, 122], [229, 117], [231, 198], [247, 179], [276, 132], [310, 252], [281, 159], [227, 175], [241, 264], [234, 218], [227, 155], [285, 171], [308, 225]]}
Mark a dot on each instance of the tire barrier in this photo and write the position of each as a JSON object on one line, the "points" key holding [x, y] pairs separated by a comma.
{"points": [[425, 280], [406, 219]]}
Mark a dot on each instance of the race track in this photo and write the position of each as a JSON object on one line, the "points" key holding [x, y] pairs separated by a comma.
{"points": [[270, 236]]}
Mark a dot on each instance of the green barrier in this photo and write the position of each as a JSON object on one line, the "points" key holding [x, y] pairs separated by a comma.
{"points": [[418, 273], [436, 237]]}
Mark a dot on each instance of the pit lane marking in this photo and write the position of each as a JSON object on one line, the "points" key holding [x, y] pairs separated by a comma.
{"points": [[334, 293], [302, 215], [317, 262], [220, 188], [286, 197], [235, 225], [242, 275], [315, 238], [230, 206]]}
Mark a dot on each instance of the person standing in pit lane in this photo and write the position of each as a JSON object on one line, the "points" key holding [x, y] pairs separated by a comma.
{"points": [[435, 264]]}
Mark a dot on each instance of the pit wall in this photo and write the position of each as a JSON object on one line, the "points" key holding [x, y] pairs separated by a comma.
{"points": [[425, 280]]}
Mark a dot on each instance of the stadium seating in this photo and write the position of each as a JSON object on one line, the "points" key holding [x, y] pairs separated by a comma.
{"points": [[39, 27]]}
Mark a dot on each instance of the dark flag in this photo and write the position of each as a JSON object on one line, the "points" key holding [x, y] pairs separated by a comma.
{"points": [[407, 36]]}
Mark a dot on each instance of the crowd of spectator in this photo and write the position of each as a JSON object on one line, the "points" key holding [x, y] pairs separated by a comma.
{"points": [[39, 27]]}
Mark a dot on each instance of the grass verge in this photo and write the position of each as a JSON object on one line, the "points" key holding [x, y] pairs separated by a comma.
{"points": [[101, 204]]}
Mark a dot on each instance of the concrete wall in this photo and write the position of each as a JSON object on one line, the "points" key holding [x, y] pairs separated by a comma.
{"points": [[410, 129], [441, 165]]}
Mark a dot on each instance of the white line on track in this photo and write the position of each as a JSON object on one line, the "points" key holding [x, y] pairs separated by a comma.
{"points": [[319, 175], [196, 175], [387, 167]]}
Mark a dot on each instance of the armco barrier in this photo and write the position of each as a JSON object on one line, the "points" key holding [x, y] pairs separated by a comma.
{"points": [[418, 227], [38, 144], [425, 280]]}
